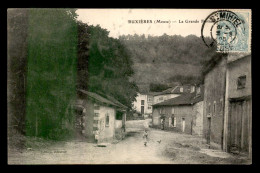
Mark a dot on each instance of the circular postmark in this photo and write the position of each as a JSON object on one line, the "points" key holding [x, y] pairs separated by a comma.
{"points": [[222, 27]]}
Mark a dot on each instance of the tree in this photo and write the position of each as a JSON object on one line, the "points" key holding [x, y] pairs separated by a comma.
{"points": [[105, 66], [157, 87], [16, 68], [51, 71]]}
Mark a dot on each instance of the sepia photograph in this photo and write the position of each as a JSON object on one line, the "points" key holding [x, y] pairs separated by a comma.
{"points": [[91, 86]]}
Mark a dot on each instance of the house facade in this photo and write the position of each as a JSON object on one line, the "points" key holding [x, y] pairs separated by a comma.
{"points": [[144, 102], [214, 97], [95, 118], [228, 103], [238, 104], [181, 114]]}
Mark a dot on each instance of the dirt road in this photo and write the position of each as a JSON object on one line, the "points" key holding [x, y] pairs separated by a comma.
{"points": [[162, 148]]}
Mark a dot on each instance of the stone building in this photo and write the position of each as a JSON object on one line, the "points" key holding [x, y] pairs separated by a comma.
{"points": [[173, 92], [96, 117], [214, 96], [182, 114], [238, 104], [143, 103], [228, 102]]}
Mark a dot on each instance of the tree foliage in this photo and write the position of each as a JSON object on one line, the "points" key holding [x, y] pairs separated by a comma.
{"points": [[51, 71], [17, 25], [157, 87], [104, 65], [165, 59]]}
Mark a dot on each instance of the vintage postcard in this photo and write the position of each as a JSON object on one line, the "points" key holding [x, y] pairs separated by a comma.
{"points": [[129, 86]]}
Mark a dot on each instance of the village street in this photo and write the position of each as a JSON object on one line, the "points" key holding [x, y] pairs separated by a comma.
{"points": [[174, 148]]}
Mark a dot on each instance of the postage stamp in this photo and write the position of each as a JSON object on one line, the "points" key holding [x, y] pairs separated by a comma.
{"points": [[229, 30]]}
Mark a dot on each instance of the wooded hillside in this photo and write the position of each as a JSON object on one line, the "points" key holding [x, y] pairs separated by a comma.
{"points": [[159, 59]]}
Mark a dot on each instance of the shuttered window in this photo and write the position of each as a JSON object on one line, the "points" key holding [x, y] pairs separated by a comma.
{"points": [[107, 120]]}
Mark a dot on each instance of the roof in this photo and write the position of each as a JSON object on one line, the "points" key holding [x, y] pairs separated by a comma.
{"points": [[210, 64], [149, 93], [173, 90], [184, 99], [232, 57], [116, 102], [102, 99]]}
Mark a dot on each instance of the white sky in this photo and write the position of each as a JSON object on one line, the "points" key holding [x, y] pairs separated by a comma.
{"points": [[116, 20]]}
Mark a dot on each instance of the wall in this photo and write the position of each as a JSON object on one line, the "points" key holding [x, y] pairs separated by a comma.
{"points": [[137, 104], [214, 92], [237, 66], [179, 112], [118, 123], [197, 116], [156, 117], [106, 133], [88, 116], [149, 104]]}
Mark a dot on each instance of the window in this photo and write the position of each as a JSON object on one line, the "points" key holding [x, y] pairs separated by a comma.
{"points": [[96, 107], [172, 110], [142, 102], [214, 108], [170, 121], [181, 89], [149, 99], [149, 107], [142, 109], [161, 98], [220, 105], [209, 108], [241, 82], [107, 120], [174, 122]]}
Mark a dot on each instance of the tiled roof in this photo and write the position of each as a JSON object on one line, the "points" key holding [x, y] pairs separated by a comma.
{"points": [[102, 99], [184, 99], [172, 90]]}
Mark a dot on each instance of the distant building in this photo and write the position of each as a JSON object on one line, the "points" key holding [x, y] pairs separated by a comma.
{"points": [[96, 117], [144, 102], [173, 92], [183, 113]]}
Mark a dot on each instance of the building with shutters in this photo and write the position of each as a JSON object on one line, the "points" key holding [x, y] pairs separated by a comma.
{"points": [[238, 105], [98, 119], [181, 114], [227, 116]]}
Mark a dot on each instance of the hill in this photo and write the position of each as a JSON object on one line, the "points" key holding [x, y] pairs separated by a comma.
{"points": [[160, 59]]}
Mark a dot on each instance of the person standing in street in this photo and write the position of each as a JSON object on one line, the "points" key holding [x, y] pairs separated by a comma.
{"points": [[162, 123]]}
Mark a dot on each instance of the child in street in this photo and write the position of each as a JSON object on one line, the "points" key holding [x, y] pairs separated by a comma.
{"points": [[145, 137]]}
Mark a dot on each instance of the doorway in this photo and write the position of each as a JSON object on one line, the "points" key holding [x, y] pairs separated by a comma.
{"points": [[142, 109], [183, 124], [209, 130], [240, 126]]}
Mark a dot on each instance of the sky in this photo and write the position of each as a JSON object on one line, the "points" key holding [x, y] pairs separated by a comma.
{"points": [[116, 21]]}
